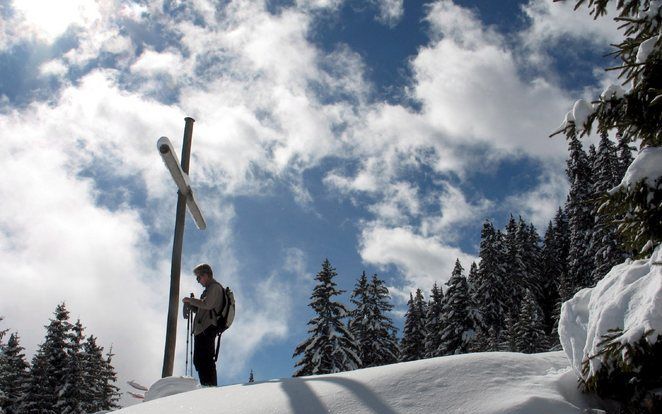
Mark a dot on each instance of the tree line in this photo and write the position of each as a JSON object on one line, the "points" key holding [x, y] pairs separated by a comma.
{"points": [[510, 301], [69, 373]]}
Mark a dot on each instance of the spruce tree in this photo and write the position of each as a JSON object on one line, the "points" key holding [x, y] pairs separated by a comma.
{"points": [[434, 322], [14, 375], [459, 329], [370, 324], [490, 289], [110, 393], [514, 276], [331, 347], [49, 367], [74, 391], [93, 375], [530, 336], [580, 218], [359, 320], [637, 115], [605, 245], [412, 346]]}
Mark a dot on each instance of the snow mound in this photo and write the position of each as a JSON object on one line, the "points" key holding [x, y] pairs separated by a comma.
{"points": [[612, 92], [491, 382], [629, 297], [581, 110], [646, 166], [170, 386]]}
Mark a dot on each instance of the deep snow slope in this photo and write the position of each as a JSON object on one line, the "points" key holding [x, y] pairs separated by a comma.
{"points": [[494, 382]]}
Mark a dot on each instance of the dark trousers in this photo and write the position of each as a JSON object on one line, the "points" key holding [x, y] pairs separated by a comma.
{"points": [[203, 356]]}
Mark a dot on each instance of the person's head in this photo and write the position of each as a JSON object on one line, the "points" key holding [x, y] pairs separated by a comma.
{"points": [[203, 274]]}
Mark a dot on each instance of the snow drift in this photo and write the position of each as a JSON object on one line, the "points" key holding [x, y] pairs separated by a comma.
{"points": [[629, 297], [470, 383]]}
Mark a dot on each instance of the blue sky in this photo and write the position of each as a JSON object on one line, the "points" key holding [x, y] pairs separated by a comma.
{"points": [[378, 134]]}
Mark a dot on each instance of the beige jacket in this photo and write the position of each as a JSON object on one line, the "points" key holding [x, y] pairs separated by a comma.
{"points": [[207, 307]]}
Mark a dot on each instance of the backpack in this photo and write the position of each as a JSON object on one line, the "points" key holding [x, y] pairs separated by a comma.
{"points": [[226, 317]]}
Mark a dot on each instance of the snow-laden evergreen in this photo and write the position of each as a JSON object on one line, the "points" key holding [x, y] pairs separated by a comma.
{"points": [[459, 331], [370, 324], [490, 288], [605, 245], [530, 336], [49, 367], [580, 218], [434, 322], [14, 375], [331, 347], [412, 346], [515, 278], [72, 394]]}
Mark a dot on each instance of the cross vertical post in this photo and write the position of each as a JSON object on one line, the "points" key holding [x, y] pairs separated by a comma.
{"points": [[175, 269]]}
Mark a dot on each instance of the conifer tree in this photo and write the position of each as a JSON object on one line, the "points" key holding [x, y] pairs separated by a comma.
{"points": [[93, 375], [14, 375], [49, 367], [459, 319], [74, 389], [605, 245], [637, 115], [370, 324], [490, 288], [110, 393], [434, 322], [331, 347], [412, 346], [530, 336], [359, 320], [580, 218], [514, 276]]}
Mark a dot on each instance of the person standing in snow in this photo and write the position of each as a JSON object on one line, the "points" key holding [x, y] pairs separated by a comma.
{"points": [[206, 310]]}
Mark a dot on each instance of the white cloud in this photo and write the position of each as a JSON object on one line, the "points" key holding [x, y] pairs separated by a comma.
{"points": [[48, 20], [455, 211], [390, 11], [154, 63], [423, 260], [53, 68]]}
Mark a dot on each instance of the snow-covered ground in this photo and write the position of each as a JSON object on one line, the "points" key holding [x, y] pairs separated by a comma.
{"points": [[491, 382]]}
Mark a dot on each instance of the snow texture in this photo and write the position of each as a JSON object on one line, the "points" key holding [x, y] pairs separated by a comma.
{"points": [[581, 110], [646, 166], [477, 383], [170, 386], [645, 49], [612, 92], [629, 297]]}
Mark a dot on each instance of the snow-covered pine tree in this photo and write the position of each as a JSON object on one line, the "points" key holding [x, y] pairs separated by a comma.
{"points": [[370, 325], [531, 251], [459, 329], [92, 361], [605, 244], [514, 276], [385, 347], [331, 347], [490, 290], [49, 367], [637, 114], [14, 375], [359, 319], [110, 393], [624, 156], [551, 272], [412, 346], [580, 218], [530, 336], [74, 391], [434, 322]]}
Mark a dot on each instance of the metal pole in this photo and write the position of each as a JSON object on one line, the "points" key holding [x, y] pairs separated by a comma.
{"points": [[175, 269]]}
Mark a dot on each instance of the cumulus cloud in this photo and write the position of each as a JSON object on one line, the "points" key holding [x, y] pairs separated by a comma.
{"points": [[423, 260]]}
